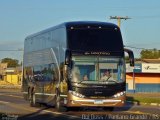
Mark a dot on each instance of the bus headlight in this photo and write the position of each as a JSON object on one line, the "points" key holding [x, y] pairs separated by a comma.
{"points": [[76, 94], [119, 94]]}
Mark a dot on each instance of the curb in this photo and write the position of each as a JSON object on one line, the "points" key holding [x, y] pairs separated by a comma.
{"points": [[140, 103], [10, 87]]}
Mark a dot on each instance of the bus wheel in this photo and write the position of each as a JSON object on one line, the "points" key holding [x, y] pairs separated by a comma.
{"points": [[59, 106], [32, 100]]}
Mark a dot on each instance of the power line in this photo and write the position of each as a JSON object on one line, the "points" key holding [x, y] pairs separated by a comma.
{"points": [[138, 48], [145, 17], [133, 47]]}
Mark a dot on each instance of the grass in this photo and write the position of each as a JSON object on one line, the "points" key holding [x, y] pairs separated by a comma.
{"points": [[144, 98]]}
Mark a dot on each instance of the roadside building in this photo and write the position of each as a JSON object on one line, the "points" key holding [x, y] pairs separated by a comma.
{"points": [[144, 77], [3, 67], [13, 75]]}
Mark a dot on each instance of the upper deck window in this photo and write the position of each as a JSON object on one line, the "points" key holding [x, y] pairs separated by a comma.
{"points": [[101, 39]]}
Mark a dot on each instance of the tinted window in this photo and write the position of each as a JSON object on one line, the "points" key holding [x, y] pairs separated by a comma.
{"points": [[44, 72], [95, 39]]}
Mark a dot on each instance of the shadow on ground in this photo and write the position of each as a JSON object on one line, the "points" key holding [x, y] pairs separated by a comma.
{"points": [[40, 115], [84, 114]]}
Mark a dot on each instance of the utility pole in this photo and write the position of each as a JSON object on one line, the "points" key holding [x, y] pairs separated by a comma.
{"points": [[119, 19], [119, 24]]}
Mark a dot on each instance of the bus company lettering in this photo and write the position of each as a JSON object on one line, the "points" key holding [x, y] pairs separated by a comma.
{"points": [[97, 53]]}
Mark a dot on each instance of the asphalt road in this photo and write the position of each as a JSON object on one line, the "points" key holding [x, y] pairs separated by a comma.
{"points": [[14, 107]]}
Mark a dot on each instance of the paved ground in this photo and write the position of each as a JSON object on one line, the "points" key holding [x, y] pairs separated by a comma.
{"points": [[13, 106]]}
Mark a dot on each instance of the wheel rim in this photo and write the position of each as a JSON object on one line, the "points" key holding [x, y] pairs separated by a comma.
{"points": [[30, 99], [33, 99], [58, 102]]}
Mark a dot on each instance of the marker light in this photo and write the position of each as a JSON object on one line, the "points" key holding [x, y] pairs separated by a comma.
{"points": [[119, 94], [76, 94]]}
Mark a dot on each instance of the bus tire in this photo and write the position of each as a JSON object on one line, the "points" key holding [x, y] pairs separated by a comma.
{"points": [[58, 105], [33, 102]]}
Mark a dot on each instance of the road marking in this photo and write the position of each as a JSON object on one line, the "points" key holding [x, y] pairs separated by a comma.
{"points": [[15, 96], [4, 102], [35, 109], [137, 112], [19, 107], [25, 92], [31, 110], [58, 113], [12, 96]]}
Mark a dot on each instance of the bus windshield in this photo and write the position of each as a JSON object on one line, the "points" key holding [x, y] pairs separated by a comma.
{"points": [[93, 69]]}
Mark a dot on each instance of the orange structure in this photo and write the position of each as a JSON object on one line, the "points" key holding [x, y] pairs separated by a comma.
{"points": [[144, 77]]}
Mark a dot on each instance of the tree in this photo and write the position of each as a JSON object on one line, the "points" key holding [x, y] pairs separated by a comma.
{"points": [[150, 54], [11, 62]]}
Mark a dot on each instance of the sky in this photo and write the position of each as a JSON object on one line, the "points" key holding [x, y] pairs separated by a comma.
{"points": [[20, 18]]}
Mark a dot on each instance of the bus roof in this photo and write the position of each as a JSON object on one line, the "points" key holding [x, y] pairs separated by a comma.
{"points": [[78, 24]]}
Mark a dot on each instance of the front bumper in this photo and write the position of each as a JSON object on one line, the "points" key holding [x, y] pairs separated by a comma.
{"points": [[74, 101]]}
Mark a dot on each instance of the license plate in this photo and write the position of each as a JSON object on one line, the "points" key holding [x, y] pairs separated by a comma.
{"points": [[98, 102]]}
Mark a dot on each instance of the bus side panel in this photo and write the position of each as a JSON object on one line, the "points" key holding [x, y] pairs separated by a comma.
{"points": [[44, 58]]}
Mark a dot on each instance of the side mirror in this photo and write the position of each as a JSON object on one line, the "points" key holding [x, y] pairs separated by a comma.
{"points": [[131, 56], [67, 57]]}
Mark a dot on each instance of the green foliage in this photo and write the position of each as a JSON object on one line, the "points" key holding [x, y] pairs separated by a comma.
{"points": [[150, 54], [143, 99], [11, 62]]}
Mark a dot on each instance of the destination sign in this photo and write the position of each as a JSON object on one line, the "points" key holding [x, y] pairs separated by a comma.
{"points": [[97, 53]]}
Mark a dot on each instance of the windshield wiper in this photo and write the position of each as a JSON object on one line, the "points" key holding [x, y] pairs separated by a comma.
{"points": [[112, 81], [100, 81], [80, 81], [107, 81], [83, 81]]}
